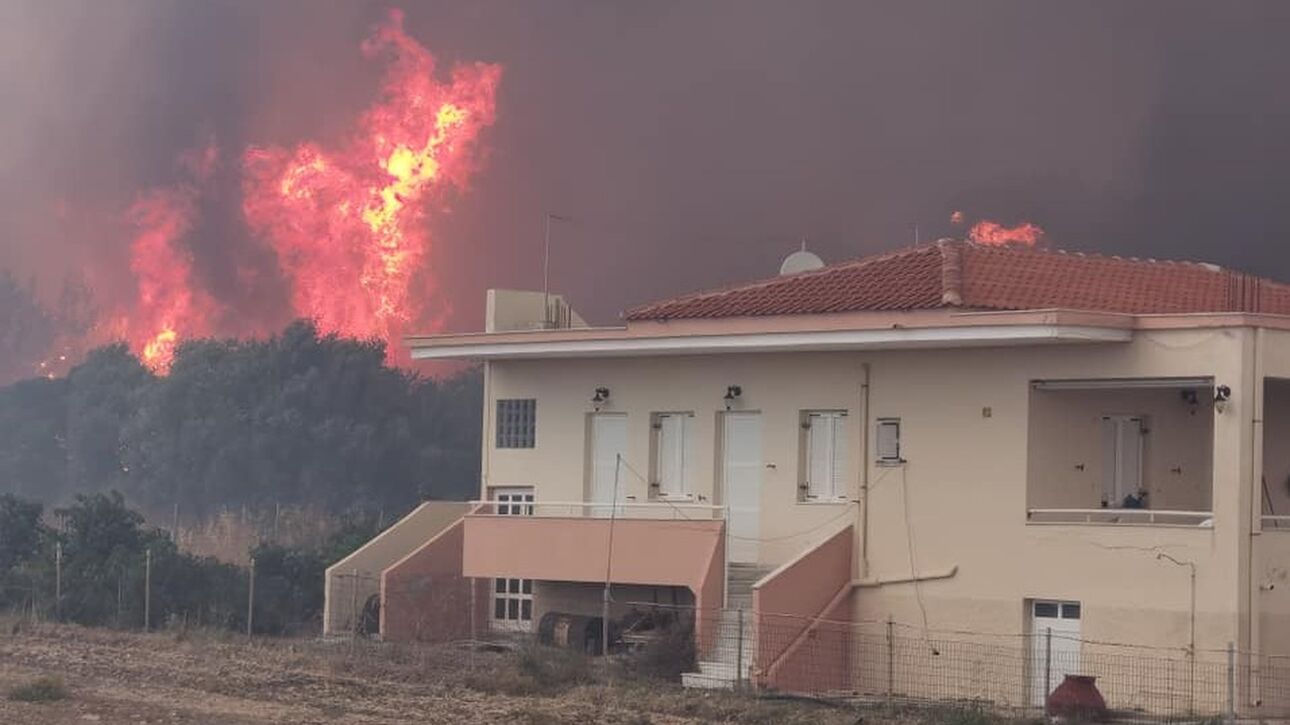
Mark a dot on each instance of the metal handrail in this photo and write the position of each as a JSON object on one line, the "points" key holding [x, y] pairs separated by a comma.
{"points": [[1114, 516], [596, 509]]}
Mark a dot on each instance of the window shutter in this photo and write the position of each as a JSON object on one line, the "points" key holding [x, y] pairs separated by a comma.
{"points": [[837, 464], [819, 444], [673, 430], [888, 440]]}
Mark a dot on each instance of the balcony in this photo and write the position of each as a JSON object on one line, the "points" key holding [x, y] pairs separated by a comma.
{"points": [[1121, 452], [628, 543]]}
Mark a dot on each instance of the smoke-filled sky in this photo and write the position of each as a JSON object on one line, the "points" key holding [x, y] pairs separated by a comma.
{"points": [[693, 143]]}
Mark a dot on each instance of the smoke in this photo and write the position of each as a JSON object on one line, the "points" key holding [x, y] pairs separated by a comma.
{"points": [[693, 144]]}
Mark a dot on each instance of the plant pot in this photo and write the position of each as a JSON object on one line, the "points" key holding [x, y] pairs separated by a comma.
{"points": [[1077, 700]]}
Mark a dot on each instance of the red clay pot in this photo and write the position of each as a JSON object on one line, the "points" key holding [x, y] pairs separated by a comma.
{"points": [[1077, 699]]}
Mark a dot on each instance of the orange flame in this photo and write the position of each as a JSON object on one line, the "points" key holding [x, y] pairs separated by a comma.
{"points": [[996, 234], [349, 224], [168, 298]]}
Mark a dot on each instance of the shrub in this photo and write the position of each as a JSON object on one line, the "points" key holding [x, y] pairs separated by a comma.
{"points": [[41, 689]]}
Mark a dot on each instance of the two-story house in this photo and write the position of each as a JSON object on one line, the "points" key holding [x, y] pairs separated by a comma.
{"points": [[967, 437]]}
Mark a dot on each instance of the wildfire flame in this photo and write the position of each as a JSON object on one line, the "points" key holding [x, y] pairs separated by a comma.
{"points": [[349, 225], [994, 233], [168, 298]]}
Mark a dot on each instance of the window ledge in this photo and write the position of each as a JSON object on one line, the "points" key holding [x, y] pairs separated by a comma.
{"points": [[823, 501]]}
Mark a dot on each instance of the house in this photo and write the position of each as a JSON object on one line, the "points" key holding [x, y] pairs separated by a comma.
{"points": [[990, 440]]}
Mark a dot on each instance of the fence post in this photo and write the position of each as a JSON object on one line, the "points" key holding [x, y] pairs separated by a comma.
{"points": [[250, 599], [891, 659], [353, 606], [58, 580], [1048, 666], [147, 590], [739, 659], [1231, 681]]}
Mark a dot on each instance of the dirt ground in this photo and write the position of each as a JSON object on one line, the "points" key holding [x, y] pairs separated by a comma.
{"points": [[118, 677]]}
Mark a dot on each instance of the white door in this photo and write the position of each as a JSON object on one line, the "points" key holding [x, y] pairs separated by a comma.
{"points": [[1054, 648], [608, 442], [1121, 458], [741, 468]]}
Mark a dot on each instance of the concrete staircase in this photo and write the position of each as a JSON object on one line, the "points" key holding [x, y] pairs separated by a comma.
{"points": [[735, 647]]}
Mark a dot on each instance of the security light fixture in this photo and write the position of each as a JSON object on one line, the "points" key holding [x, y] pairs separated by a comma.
{"points": [[1222, 394], [600, 397], [733, 392]]}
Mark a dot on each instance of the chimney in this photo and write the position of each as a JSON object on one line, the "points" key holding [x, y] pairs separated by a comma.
{"points": [[951, 271]]}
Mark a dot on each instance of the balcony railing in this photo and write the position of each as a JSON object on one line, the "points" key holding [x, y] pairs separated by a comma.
{"points": [[1276, 523], [1123, 517], [659, 510]]}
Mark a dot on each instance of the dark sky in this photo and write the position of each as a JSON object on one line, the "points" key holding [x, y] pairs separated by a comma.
{"points": [[695, 143]]}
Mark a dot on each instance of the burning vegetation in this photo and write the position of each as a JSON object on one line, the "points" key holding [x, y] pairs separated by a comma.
{"points": [[349, 224], [347, 228]]}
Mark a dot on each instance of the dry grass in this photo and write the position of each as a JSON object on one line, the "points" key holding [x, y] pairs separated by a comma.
{"points": [[41, 689], [205, 677]]}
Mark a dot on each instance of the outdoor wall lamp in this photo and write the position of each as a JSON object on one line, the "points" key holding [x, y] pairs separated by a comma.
{"points": [[733, 392], [1222, 394], [600, 398]]}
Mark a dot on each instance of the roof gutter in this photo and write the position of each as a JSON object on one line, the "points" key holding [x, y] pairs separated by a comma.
{"points": [[802, 341]]}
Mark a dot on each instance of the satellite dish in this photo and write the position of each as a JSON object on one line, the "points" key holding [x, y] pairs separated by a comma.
{"points": [[800, 261]]}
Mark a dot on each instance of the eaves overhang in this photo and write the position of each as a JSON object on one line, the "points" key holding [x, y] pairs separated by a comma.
{"points": [[612, 342]]}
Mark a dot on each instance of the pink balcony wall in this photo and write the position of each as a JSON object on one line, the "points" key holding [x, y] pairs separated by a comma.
{"points": [[688, 553], [425, 597], [803, 638]]}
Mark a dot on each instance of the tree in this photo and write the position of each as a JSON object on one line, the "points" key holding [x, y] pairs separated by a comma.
{"points": [[21, 532], [26, 330]]}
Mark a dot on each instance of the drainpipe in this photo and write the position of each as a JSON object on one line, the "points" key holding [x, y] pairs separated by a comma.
{"points": [[485, 440], [864, 470], [1255, 494]]}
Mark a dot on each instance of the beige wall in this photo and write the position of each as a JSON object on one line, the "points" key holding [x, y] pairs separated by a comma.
{"points": [[960, 499], [1065, 456], [352, 580], [780, 386]]}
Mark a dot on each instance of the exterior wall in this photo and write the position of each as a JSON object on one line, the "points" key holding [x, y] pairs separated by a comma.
{"points": [[795, 651], [425, 597], [1273, 543], [960, 498], [356, 578], [646, 552], [779, 386], [1065, 455]]}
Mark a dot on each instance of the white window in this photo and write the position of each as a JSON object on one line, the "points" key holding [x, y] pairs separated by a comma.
{"points": [[513, 598], [673, 454], [1122, 461], [888, 441], [516, 423], [825, 459]]}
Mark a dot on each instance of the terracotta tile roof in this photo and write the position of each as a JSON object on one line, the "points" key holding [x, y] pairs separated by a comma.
{"points": [[954, 273]]}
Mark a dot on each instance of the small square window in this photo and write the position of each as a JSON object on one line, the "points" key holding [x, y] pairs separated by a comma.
{"points": [[888, 443], [516, 423], [1046, 609], [527, 587], [499, 586], [1070, 610]]}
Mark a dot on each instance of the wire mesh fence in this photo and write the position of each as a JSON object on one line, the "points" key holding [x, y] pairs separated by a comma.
{"points": [[893, 662], [873, 661]]}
